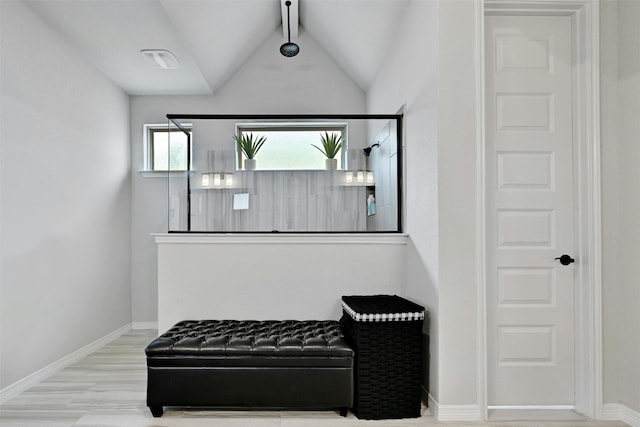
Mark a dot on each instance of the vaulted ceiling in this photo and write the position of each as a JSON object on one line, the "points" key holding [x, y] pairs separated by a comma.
{"points": [[212, 39]]}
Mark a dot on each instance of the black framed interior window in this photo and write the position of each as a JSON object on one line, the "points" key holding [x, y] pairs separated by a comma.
{"points": [[289, 186]]}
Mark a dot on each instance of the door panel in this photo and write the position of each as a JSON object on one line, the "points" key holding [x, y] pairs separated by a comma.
{"points": [[530, 296]]}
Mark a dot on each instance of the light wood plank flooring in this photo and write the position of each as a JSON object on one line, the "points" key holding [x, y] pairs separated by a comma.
{"points": [[107, 389]]}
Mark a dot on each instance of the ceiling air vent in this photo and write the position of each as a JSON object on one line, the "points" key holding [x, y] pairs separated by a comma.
{"points": [[160, 58]]}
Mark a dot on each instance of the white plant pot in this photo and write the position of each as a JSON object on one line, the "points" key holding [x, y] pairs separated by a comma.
{"points": [[331, 164], [249, 164]]}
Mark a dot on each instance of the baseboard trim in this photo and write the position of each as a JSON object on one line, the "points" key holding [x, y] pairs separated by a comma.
{"points": [[617, 411], [432, 403], [21, 385], [144, 325], [454, 412]]}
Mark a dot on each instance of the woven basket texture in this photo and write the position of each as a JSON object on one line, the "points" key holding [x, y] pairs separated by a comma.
{"points": [[388, 367]]}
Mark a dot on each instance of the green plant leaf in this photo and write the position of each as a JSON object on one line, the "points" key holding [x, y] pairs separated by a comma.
{"points": [[248, 144], [331, 144]]}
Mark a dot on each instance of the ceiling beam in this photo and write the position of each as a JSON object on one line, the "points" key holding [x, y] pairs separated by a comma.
{"points": [[294, 19]]}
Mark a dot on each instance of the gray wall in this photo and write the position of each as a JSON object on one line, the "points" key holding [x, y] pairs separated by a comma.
{"points": [[620, 91], [286, 201], [383, 161], [65, 199]]}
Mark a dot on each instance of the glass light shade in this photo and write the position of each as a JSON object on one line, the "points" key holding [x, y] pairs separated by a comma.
{"points": [[289, 49], [228, 179], [205, 180], [360, 176], [348, 177], [216, 179], [369, 177]]}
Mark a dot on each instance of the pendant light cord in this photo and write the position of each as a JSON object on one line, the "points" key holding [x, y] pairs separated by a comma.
{"points": [[288, 3]]}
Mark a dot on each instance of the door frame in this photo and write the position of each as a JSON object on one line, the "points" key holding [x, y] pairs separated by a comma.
{"points": [[587, 196]]}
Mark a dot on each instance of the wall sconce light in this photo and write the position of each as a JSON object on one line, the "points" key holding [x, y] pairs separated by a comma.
{"points": [[348, 177], [216, 179], [358, 178], [369, 177]]}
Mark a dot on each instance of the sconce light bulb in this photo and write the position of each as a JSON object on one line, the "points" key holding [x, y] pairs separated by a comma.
{"points": [[348, 177]]}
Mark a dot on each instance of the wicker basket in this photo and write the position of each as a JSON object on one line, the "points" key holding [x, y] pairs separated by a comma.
{"points": [[386, 331]]}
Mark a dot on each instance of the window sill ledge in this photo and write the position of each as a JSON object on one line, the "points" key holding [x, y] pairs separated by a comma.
{"points": [[161, 174], [284, 238]]}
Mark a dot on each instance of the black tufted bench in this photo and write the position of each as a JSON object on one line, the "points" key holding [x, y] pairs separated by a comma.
{"points": [[251, 364]]}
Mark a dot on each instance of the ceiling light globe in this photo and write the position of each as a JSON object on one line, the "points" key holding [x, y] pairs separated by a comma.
{"points": [[289, 49]]}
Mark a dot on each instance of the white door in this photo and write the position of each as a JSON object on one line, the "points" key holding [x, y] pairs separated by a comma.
{"points": [[529, 163]]}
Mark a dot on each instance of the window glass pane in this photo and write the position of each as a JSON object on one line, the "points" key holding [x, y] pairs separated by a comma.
{"points": [[292, 189], [169, 148], [292, 149]]}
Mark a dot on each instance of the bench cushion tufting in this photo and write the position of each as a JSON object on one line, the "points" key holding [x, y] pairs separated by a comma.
{"points": [[272, 338], [286, 364]]}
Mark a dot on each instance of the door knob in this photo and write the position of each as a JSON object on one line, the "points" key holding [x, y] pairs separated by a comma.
{"points": [[566, 259]]}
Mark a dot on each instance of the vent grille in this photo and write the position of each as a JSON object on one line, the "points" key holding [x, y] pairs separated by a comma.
{"points": [[160, 58]]}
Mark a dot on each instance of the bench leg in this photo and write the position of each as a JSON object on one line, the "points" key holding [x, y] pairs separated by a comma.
{"points": [[344, 412], [156, 411]]}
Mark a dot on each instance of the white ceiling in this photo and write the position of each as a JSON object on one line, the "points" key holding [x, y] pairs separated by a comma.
{"points": [[212, 39]]}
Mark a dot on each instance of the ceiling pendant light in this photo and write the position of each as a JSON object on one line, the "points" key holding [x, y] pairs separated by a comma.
{"points": [[289, 49]]}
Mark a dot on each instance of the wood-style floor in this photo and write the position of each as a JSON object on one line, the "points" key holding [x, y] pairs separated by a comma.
{"points": [[107, 389]]}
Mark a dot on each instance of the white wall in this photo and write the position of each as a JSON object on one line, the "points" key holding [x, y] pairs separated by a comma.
{"points": [[620, 89], [298, 278], [439, 99], [408, 81], [65, 220], [432, 73], [457, 201], [65, 213], [310, 83], [628, 306], [610, 198]]}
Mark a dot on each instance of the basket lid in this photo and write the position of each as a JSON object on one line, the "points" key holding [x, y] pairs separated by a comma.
{"points": [[381, 308]]}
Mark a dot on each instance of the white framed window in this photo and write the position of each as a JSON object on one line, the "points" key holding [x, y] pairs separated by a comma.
{"points": [[289, 146], [167, 149]]}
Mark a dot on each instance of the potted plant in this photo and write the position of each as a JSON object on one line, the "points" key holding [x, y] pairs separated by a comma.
{"points": [[250, 146], [331, 145]]}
